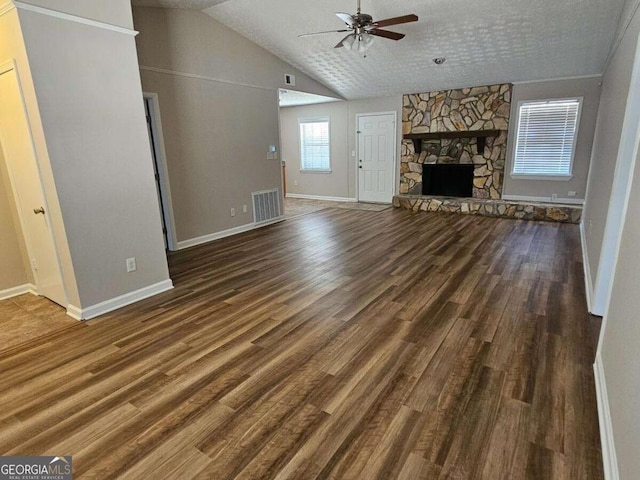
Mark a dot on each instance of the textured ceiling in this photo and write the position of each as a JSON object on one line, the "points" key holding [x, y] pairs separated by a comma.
{"points": [[484, 42]]}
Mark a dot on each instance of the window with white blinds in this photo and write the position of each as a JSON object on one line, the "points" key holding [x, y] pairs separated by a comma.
{"points": [[314, 145], [546, 140]]}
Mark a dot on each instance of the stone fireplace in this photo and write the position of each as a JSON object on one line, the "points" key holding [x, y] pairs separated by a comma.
{"points": [[463, 126]]}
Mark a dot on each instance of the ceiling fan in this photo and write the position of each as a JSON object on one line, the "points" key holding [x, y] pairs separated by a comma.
{"points": [[362, 29]]}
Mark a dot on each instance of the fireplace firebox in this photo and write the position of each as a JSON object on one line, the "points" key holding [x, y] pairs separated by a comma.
{"points": [[448, 180]]}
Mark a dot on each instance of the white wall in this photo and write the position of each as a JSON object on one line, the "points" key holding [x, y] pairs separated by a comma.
{"points": [[341, 182], [218, 96], [589, 89]]}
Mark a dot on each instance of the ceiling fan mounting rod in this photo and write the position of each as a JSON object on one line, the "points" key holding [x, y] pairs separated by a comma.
{"points": [[359, 10]]}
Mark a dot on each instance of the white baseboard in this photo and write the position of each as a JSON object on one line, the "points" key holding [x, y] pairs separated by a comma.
{"points": [[609, 460], [118, 302], [320, 197], [588, 284], [525, 198], [225, 233], [15, 291]]}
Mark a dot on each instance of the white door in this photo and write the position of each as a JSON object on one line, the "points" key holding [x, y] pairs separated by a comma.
{"points": [[18, 151], [376, 157]]}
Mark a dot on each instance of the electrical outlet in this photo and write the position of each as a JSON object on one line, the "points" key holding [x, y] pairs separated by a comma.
{"points": [[590, 229], [554, 197], [233, 212], [131, 265], [34, 264], [295, 183], [571, 194], [244, 209]]}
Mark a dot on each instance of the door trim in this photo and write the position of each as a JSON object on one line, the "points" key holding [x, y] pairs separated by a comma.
{"points": [[6, 67], [395, 151], [163, 170]]}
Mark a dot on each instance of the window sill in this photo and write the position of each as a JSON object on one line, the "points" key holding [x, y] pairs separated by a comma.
{"points": [[549, 178], [316, 171]]}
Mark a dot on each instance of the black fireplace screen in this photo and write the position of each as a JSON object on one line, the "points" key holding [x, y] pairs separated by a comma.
{"points": [[448, 180]]}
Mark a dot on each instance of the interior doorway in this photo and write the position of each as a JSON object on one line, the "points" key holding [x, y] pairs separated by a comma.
{"points": [[24, 175], [154, 129], [376, 157]]}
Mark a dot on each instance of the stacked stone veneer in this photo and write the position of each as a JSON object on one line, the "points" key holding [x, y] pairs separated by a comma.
{"points": [[491, 208], [467, 109]]}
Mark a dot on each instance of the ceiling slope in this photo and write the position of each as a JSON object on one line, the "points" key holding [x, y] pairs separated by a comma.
{"points": [[484, 42]]}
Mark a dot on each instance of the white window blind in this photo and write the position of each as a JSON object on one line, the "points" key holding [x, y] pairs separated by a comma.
{"points": [[546, 137], [314, 145]]}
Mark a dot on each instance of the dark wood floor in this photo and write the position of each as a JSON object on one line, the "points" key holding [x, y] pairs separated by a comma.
{"points": [[338, 345]]}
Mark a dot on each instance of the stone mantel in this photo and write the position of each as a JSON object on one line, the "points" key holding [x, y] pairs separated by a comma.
{"points": [[480, 135]]}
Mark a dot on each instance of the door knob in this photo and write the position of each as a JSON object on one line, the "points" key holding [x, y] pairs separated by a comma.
{"points": [[38, 210]]}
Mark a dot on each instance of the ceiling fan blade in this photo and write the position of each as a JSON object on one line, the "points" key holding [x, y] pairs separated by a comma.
{"points": [[387, 34], [320, 33], [346, 18], [396, 20], [342, 41]]}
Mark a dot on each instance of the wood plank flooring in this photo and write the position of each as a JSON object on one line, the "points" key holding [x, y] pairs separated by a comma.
{"points": [[341, 344]]}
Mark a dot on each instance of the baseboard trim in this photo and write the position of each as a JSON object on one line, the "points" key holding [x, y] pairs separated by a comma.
{"points": [[225, 233], [20, 290], [525, 198], [609, 460], [321, 197], [118, 302], [588, 284]]}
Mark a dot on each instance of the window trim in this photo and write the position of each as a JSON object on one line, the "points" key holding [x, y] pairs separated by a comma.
{"points": [[314, 120], [516, 123]]}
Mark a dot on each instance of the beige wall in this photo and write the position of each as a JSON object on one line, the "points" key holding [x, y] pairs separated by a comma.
{"points": [[12, 49], [13, 262], [219, 106], [116, 13], [615, 91], [341, 182], [96, 160], [589, 89], [92, 113], [619, 349]]}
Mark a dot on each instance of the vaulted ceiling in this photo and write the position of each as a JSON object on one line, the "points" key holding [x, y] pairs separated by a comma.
{"points": [[484, 42]]}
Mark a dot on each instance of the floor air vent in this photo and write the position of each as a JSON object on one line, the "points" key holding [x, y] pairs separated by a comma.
{"points": [[266, 205]]}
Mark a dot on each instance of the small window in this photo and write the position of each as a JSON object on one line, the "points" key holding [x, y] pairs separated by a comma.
{"points": [[546, 139], [314, 145]]}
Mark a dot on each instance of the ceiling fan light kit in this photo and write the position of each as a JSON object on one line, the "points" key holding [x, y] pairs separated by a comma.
{"points": [[360, 43], [363, 29]]}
